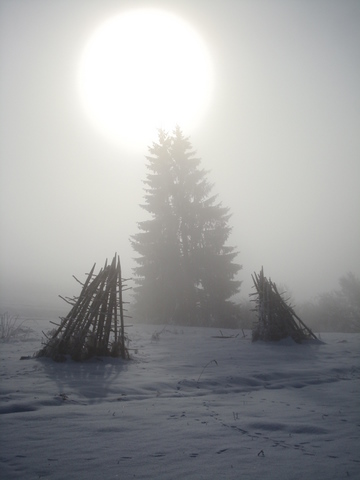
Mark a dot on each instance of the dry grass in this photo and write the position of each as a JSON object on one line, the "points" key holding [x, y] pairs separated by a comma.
{"points": [[11, 328]]}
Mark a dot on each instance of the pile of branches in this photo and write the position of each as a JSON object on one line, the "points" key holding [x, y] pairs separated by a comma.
{"points": [[95, 324], [276, 318]]}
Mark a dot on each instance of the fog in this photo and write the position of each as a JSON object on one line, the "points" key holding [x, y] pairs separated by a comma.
{"points": [[280, 139]]}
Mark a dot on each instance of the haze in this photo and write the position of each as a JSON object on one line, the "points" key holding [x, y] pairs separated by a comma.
{"points": [[280, 138]]}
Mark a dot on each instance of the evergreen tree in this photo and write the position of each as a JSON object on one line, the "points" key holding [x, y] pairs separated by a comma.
{"points": [[184, 271]]}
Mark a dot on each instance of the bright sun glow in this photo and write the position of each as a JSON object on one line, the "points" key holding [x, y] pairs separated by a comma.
{"points": [[143, 70]]}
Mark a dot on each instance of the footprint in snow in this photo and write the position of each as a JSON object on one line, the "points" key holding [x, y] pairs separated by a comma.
{"points": [[221, 451]]}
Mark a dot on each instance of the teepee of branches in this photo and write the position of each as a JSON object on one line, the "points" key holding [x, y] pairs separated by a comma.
{"points": [[276, 318], [95, 323]]}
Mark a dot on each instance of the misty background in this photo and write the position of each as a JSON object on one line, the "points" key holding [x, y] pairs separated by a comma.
{"points": [[281, 140]]}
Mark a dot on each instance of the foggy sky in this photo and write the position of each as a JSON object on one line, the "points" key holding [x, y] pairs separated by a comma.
{"points": [[281, 140]]}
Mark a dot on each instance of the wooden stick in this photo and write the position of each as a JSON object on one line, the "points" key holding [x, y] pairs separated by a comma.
{"points": [[121, 312]]}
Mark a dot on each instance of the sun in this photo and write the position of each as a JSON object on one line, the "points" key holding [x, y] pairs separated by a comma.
{"points": [[143, 70]]}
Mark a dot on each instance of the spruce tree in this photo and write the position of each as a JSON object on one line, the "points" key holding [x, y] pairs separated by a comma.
{"points": [[185, 272]]}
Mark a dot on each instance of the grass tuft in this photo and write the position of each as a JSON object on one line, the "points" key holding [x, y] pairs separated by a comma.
{"points": [[11, 328]]}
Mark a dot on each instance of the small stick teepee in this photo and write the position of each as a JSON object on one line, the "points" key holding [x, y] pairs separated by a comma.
{"points": [[276, 319], [95, 323]]}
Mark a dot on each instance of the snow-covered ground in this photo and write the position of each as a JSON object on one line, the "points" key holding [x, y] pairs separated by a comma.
{"points": [[186, 406]]}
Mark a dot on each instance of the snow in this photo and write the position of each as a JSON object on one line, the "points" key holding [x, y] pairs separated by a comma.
{"points": [[188, 405]]}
